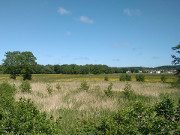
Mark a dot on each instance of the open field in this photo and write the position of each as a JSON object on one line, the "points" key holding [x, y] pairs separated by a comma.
{"points": [[74, 103], [69, 78]]}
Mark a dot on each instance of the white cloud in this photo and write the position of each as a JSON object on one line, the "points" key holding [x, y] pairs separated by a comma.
{"points": [[68, 33], [85, 19], [63, 11], [81, 58], [125, 44], [116, 60], [131, 12], [127, 11]]}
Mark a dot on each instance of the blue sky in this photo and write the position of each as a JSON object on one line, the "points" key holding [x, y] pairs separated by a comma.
{"points": [[117, 33]]}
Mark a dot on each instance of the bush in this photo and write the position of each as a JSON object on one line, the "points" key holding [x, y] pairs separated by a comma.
{"points": [[138, 119], [125, 78], [140, 78], [49, 89], [22, 117], [128, 91], [25, 86], [106, 78], [122, 78], [109, 92], [165, 108], [163, 78], [58, 86], [84, 86]]}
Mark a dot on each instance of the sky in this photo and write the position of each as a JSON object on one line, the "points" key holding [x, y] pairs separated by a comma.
{"points": [[117, 33]]}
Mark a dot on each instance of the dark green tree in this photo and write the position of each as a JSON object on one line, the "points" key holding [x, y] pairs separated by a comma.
{"points": [[19, 63], [12, 63], [176, 61]]}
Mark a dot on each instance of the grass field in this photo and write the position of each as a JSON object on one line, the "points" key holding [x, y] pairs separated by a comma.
{"points": [[73, 103], [69, 78]]}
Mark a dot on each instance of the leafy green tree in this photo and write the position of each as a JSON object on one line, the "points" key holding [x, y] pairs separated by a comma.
{"points": [[176, 61], [19, 63], [11, 64]]}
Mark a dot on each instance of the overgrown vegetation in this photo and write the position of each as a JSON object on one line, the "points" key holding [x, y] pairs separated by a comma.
{"points": [[49, 89], [125, 77], [23, 117], [108, 92], [84, 86], [93, 108], [140, 78], [163, 78], [138, 119], [25, 86], [128, 91], [106, 78]]}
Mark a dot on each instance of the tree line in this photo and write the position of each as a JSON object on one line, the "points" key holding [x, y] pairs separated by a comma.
{"points": [[83, 69], [24, 63]]}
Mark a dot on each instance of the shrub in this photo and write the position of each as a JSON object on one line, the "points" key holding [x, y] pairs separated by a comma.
{"points": [[125, 78], [25, 86], [140, 78], [58, 86], [106, 78], [163, 78], [165, 108], [128, 77], [108, 92], [22, 117], [122, 78], [84, 86], [49, 89], [138, 119], [128, 91]]}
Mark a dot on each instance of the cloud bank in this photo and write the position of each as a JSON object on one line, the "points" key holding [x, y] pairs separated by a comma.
{"points": [[131, 12], [63, 11], [85, 19]]}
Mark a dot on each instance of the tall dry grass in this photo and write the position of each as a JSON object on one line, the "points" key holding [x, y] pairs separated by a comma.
{"points": [[73, 103]]}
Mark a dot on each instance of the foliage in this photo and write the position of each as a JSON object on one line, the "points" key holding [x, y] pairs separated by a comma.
{"points": [[125, 77], [58, 86], [128, 91], [84, 86], [176, 59], [106, 78], [49, 89], [25, 86], [108, 92], [22, 117], [122, 78], [163, 78], [138, 119], [140, 78], [17, 63]]}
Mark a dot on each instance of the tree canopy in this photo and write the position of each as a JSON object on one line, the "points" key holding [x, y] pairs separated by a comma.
{"points": [[19, 63], [176, 60]]}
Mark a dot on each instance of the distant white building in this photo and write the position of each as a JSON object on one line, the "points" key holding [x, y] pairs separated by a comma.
{"points": [[128, 72], [158, 72]]}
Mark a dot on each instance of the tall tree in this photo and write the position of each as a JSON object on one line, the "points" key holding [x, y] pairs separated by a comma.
{"points": [[19, 63], [176, 60], [11, 64]]}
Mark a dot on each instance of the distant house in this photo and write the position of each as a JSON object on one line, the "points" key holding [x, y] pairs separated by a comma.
{"points": [[128, 72], [158, 72]]}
